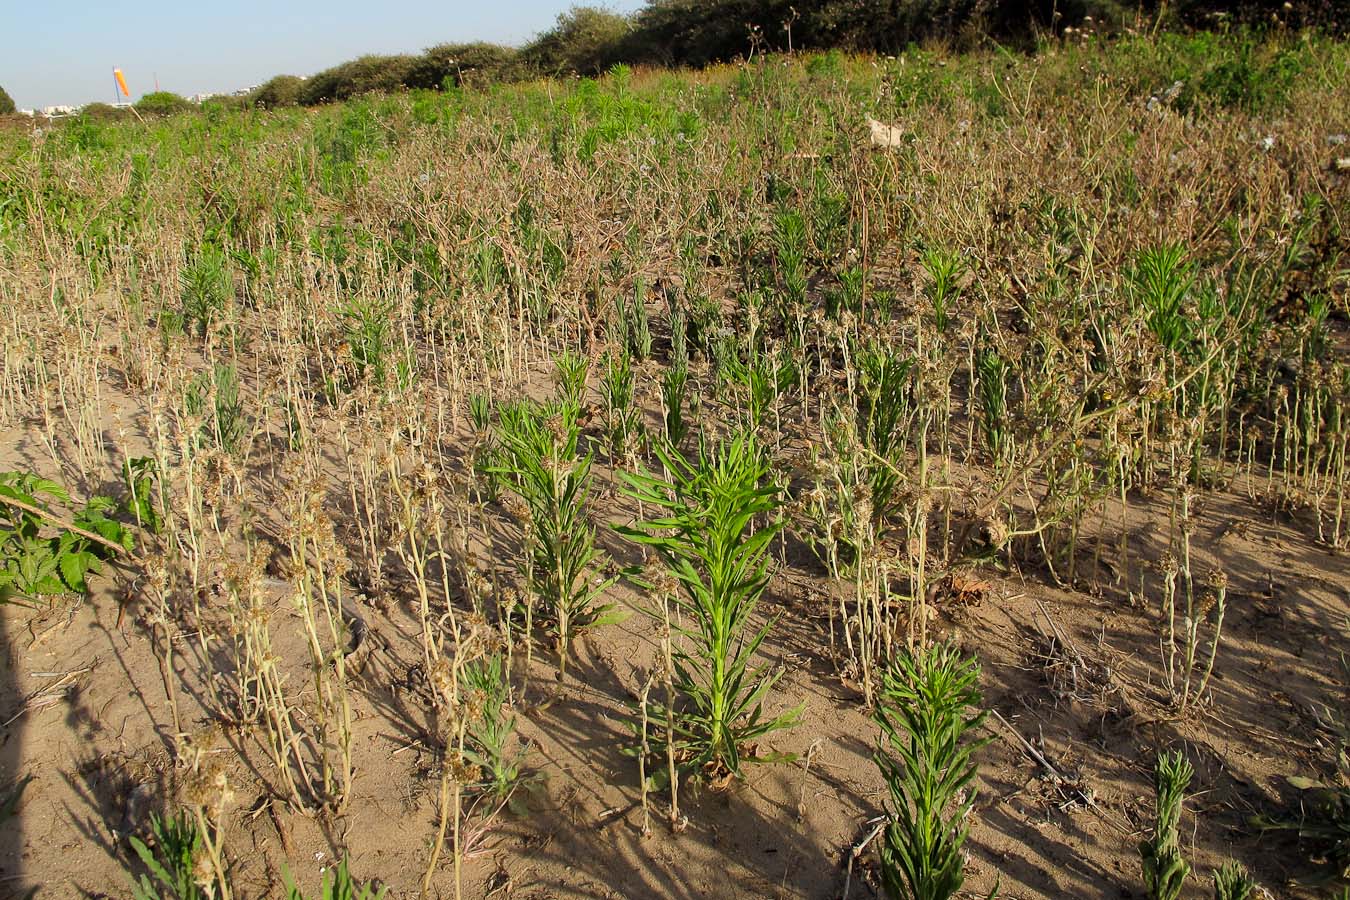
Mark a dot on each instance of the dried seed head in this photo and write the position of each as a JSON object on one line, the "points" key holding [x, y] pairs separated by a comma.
{"points": [[203, 872], [459, 770], [210, 789], [442, 679], [995, 531]]}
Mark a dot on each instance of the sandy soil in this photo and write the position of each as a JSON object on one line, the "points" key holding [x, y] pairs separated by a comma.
{"points": [[1064, 786]]}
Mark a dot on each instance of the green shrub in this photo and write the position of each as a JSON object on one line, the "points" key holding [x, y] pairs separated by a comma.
{"points": [[6, 103], [283, 90], [1233, 71], [344, 141], [363, 75], [585, 41], [162, 103], [455, 65], [826, 65], [103, 112]]}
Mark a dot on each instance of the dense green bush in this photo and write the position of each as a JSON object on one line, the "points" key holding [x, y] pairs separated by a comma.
{"points": [[697, 32], [1328, 14], [6, 103], [459, 64], [104, 112], [162, 103], [283, 90], [586, 41], [360, 76], [1244, 74]]}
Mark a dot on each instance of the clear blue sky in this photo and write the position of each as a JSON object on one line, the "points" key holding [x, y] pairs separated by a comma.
{"points": [[64, 51]]}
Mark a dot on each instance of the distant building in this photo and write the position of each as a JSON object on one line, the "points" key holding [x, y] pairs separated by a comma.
{"points": [[54, 112]]}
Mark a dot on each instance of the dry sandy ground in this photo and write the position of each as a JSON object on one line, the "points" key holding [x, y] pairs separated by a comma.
{"points": [[85, 712]]}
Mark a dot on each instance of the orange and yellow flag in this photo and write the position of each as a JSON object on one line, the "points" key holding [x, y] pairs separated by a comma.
{"points": [[121, 82]]}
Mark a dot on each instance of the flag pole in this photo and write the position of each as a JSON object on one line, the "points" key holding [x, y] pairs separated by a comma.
{"points": [[121, 84]]}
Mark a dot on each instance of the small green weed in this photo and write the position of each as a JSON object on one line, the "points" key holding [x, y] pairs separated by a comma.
{"points": [[44, 552], [543, 465], [141, 476], [944, 269], [206, 290], [632, 323], [178, 862], [214, 396], [1231, 882], [928, 710], [491, 732], [717, 553], [1165, 870], [341, 886]]}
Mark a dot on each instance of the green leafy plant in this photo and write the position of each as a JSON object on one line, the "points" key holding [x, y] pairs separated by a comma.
{"points": [[673, 389], [573, 369], [765, 380], [45, 552], [177, 862], [719, 516], [141, 475], [884, 404], [491, 730], [944, 269], [542, 464], [928, 710], [791, 248], [617, 386], [1165, 870], [1231, 882], [632, 323], [206, 289], [1162, 280], [992, 372], [214, 396], [366, 329], [337, 884], [1322, 825]]}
